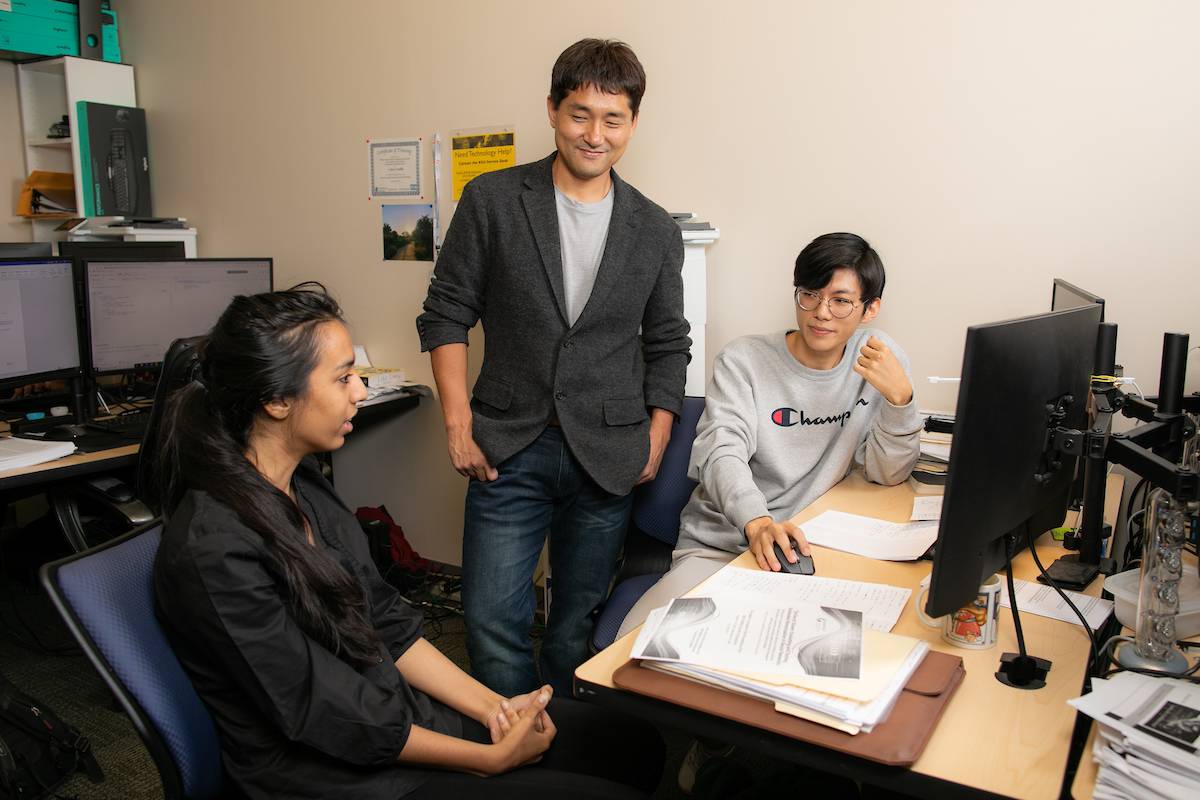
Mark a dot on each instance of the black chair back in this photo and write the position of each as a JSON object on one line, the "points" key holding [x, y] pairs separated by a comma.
{"points": [[180, 367]]}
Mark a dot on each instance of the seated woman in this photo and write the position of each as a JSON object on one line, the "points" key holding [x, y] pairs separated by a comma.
{"points": [[313, 667]]}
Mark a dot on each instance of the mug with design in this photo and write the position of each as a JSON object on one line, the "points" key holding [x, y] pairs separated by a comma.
{"points": [[976, 625]]}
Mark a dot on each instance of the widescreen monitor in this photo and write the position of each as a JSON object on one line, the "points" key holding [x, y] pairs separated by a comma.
{"points": [[39, 333], [1066, 295], [1012, 373], [26, 250], [135, 309]]}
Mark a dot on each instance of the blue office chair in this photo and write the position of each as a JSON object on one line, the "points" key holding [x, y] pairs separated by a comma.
{"points": [[106, 597], [653, 527]]}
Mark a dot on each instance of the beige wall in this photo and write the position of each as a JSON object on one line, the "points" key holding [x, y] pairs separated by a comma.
{"points": [[12, 158], [982, 148]]}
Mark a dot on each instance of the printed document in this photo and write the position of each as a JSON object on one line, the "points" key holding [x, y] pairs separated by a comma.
{"points": [[881, 605], [16, 453], [870, 537], [1149, 732], [927, 507], [1042, 600], [737, 631]]}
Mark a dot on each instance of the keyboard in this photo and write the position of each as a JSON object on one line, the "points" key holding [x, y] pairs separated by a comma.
{"points": [[124, 424]]}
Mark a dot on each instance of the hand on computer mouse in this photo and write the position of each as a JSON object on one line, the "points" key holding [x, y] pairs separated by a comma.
{"points": [[803, 564], [763, 532]]}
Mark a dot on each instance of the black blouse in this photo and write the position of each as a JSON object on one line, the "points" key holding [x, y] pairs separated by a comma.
{"points": [[294, 719]]}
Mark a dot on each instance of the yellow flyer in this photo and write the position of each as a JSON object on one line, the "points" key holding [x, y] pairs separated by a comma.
{"points": [[476, 152]]}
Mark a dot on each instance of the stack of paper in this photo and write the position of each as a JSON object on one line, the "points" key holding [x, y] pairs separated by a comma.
{"points": [[870, 537], [19, 453], [929, 475], [815, 647], [1146, 745]]}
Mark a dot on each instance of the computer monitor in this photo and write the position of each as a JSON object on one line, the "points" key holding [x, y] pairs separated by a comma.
{"points": [[135, 309], [1000, 485], [1066, 295], [26, 250], [39, 334], [116, 248]]}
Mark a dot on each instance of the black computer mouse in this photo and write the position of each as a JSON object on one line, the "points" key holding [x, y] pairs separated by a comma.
{"points": [[65, 433], [803, 566]]}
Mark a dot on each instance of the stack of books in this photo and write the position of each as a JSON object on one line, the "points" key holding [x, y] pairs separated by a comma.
{"points": [[782, 639], [1146, 745]]}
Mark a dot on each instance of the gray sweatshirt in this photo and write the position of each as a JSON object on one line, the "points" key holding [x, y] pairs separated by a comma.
{"points": [[776, 435]]}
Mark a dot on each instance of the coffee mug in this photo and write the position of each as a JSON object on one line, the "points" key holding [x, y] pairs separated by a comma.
{"points": [[975, 625]]}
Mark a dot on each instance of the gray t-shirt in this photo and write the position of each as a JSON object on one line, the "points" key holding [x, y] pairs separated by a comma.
{"points": [[776, 435], [583, 231]]}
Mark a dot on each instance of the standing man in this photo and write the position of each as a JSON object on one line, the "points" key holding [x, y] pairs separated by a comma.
{"points": [[576, 279]]}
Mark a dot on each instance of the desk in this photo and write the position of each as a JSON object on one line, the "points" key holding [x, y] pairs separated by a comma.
{"points": [[73, 466], [991, 740], [81, 464]]}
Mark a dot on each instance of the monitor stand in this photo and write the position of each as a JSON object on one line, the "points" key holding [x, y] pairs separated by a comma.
{"points": [[1019, 670], [1070, 573]]}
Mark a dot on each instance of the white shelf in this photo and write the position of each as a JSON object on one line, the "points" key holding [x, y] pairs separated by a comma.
{"points": [[49, 91]]}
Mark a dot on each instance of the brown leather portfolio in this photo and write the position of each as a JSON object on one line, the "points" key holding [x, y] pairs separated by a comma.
{"points": [[897, 741]]}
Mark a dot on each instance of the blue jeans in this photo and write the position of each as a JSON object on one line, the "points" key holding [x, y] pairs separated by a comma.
{"points": [[541, 490]]}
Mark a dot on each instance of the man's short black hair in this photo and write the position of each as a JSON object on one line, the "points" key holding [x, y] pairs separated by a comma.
{"points": [[607, 64], [817, 262]]}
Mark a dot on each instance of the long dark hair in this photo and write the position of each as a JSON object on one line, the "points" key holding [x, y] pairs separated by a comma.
{"points": [[263, 348]]}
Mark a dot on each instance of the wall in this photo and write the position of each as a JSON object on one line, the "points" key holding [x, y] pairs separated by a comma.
{"points": [[982, 148], [12, 158]]}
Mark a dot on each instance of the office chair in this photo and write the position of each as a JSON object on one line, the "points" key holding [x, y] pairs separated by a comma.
{"points": [[653, 527], [180, 366], [106, 598]]}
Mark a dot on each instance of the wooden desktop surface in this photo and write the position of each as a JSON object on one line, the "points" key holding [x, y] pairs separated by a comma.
{"points": [[992, 737], [68, 466]]}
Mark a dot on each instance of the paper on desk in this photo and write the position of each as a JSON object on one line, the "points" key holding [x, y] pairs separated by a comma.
{"points": [[17, 453], [853, 714], [927, 507], [1149, 728], [880, 604], [938, 451], [870, 537], [1042, 600], [746, 633]]}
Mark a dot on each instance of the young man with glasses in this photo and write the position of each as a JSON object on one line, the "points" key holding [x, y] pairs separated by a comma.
{"points": [[788, 414]]}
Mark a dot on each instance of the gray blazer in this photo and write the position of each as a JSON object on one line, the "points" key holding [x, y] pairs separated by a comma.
{"points": [[501, 264]]}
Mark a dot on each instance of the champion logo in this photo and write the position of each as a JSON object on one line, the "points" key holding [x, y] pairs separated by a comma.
{"points": [[787, 417]]}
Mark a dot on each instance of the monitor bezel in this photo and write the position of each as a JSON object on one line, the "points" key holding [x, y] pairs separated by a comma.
{"points": [[87, 309], [46, 251]]}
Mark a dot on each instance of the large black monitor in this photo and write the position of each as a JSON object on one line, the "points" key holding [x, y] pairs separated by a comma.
{"points": [[26, 250], [135, 309], [1000, 487], [1066, 295], [39, 335]]}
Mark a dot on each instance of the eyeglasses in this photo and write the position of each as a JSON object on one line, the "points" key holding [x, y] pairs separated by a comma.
{"points": [[839, 307]]}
